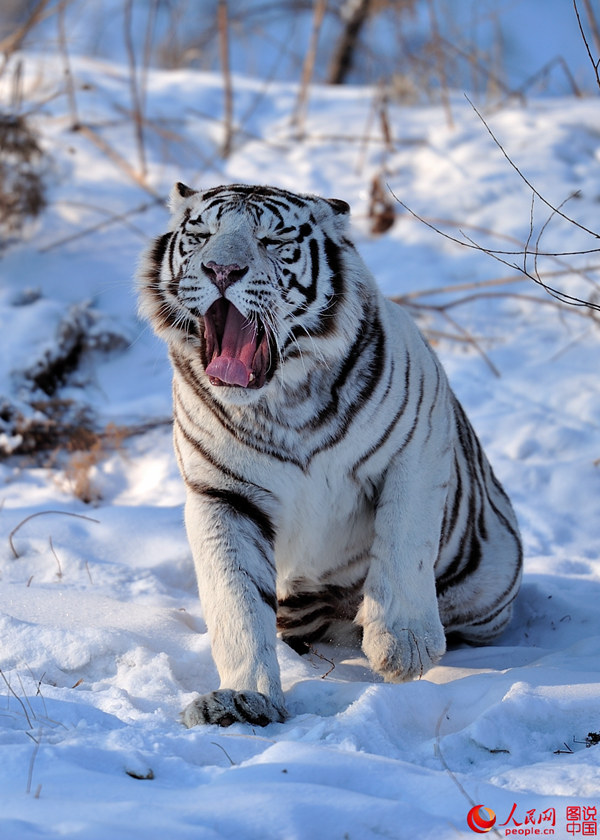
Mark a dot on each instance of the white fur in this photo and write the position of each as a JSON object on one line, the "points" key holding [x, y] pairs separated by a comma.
{"points": [[367, 500]]}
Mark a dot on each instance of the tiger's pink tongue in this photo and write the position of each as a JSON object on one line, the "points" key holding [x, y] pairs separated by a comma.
{"points": [[233, 366]]}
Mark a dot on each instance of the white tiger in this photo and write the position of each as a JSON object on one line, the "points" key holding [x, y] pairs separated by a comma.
{"points": [[335, 488]]}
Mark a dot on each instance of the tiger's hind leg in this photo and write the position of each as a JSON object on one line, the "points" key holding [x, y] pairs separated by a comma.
{"points": [[484, 631], [477, 606], [480, 564], [320, 613]]}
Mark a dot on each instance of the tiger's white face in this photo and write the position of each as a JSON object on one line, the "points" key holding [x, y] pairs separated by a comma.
{"points": [[249, 279]]}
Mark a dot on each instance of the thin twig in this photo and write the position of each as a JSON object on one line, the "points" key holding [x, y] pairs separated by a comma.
{"points": [[469, 242], [499, 255], [439, 335], [136, 99], [44, 513], [164, 129], [308, 67], [595, 64], [440, 62], [366, 137], [595, 25], [555, 256], [440, 755], [231, 761], [567, 751], [444, 763], [17, 698], [13, 42], [316, 653], [525, 180], [38, 692], [459, 287], [32, 761], [114, 218], [563, 297], [25, 695], [475, 344], [478, 67], [59, 574], [537, 252], [543, 72], [223, 26], [529, 235], [442, 307], [118, 159], [64, 50]]}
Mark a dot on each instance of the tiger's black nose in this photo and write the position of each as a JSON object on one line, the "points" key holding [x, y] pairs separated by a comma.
{"points": [[223, 276]]}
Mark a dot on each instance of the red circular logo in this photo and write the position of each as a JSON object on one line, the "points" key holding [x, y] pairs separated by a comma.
{"points": [[481, 819]]}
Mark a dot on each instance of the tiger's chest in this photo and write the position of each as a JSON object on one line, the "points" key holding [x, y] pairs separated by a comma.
{"points": [[324, 527]]}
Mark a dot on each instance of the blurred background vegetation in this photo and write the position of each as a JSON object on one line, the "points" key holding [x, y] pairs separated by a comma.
{"points": [[409, 51], [493, 48], [58, 108]]}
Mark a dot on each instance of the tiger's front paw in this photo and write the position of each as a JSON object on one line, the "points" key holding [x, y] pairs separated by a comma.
{"points": [[403, 653], [227, 706]]}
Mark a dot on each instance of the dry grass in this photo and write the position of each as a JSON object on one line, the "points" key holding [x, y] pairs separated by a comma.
{"points": [[22, 188]]}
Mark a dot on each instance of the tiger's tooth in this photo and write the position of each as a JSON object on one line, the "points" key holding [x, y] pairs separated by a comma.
{"points": [[251, 378]]}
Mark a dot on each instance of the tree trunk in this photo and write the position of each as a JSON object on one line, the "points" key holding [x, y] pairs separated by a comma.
{"points": [[356, 14]]}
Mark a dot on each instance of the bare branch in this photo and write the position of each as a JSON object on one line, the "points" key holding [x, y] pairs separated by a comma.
{"points": [[440, 63], [595, 64], [17, 698], [308, 67], [59, 574], [36, 748], [64, 49], [223, 26], [113, 155], [526, 181], [113, 219], [344, 52], [136, 98], [44, 513], [13, 42], [500, 255]]}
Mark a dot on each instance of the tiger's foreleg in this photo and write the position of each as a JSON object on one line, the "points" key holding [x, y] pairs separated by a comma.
{"points": [[403, 635], [232, 546]]}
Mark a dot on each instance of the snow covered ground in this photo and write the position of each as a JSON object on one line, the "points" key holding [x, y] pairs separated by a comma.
{"points": [[102, 640]]}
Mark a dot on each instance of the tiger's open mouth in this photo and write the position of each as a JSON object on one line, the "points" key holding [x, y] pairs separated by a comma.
{"points": [[237, 350]]}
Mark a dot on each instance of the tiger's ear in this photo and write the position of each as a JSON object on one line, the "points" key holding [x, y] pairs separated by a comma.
{"points": [[339, 207], [178, 196], [341, 213]]}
